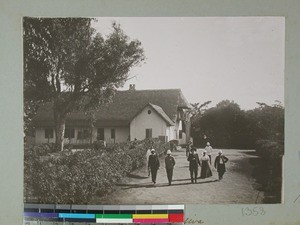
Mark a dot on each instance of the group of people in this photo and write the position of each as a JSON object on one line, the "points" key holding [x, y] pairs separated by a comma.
{"points": [[194, 163]]}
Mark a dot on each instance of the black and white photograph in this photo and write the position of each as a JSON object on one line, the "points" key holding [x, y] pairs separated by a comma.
{"points": [[153, 110]]}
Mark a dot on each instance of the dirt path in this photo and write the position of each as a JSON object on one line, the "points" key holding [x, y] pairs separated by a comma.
{"points": [[237, 186]]}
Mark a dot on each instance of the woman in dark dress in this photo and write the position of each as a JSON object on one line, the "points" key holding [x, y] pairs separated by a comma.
{"points": [[205, 166]]}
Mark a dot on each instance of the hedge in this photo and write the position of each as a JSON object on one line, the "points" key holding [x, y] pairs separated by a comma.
{"points": [[269, 169], [75, 177]]}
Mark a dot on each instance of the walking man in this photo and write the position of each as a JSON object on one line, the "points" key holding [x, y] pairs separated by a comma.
{"points": [[220, 164], [194, 162], [209, 151], [153, 165], [169, 164]]}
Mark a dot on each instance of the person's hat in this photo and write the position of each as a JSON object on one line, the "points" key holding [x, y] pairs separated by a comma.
{"points": [[204, 151], [169, 152], [220, 152], [193, 149], [152, 150], [208, 143]]}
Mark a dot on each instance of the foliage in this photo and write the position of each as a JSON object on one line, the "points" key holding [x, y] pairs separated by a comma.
{"points": [[269, 169], [269, 150], [67, 63], [199, 109], [227, 126], [67, 177]]}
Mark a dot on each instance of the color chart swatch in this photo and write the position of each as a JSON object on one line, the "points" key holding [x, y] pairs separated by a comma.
{"points": [[91, 214]]}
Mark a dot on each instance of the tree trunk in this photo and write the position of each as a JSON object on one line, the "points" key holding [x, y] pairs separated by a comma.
{"points": [[60, 123]]}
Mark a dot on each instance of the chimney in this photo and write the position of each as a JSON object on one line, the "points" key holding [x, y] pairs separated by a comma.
{"points": [[131, 87]]}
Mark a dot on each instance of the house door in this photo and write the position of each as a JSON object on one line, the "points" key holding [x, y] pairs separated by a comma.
{"points": [[100, 134]]}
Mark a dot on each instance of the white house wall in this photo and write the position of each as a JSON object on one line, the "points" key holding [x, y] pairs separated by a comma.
{"points": [[121, 135], [40, 136], [172, 135], [145, 121]]}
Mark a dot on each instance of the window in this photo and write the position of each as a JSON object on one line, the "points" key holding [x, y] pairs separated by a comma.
{"points": [[148, 133], [113, 133], [48, 133], [149, 111], [69, 133], [180, 134], [100, 134], [83, 134]]}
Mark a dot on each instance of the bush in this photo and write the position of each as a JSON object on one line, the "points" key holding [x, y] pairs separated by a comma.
{"points": [[269, 150], [99, 145], [270, 168], [68, 178]]}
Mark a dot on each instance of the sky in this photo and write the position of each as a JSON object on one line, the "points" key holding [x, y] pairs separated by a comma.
{"points": [[209, 58]]}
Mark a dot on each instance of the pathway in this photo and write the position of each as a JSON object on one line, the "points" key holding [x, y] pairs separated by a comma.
{"points": [[237, 187]]}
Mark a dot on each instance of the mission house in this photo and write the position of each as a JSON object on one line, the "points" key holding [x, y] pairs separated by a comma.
{"points": [[132, 115]]}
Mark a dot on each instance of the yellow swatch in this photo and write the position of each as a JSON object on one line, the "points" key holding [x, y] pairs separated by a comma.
{"points": [[150, 216]]}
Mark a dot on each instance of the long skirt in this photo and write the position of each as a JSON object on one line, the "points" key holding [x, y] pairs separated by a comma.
{"points": [[205, 170]]}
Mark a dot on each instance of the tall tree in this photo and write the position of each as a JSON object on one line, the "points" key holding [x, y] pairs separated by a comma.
{"points": [[68, 63]]}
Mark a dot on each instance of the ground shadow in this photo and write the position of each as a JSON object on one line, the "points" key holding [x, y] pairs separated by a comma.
{"points": [[150, 185], [135, 176]]}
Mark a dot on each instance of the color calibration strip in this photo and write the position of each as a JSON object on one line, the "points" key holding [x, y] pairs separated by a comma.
{"points": [[131, 214]]}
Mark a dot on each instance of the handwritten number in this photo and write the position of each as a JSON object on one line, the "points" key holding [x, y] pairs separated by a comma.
{"points": [[255, 211]]}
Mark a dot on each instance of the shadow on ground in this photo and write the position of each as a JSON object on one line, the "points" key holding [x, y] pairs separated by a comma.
{"points": [[150, 185], [136, 176]]}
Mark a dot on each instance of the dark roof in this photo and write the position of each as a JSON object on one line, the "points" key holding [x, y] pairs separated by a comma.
{"points": [[124, 107]]}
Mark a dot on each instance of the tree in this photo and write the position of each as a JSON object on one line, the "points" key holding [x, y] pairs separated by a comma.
{"points": [[267, 122], [223, 124], [199, 109], [67, 63]]}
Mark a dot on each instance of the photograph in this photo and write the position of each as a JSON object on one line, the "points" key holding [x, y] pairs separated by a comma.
{"points": [[153, 110]]}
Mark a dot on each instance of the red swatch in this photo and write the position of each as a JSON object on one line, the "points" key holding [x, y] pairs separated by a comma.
{"points": [[176, 218]]}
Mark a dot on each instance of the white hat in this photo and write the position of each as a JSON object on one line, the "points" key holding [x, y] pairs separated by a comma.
{"points": [[207, 143], [169, 152], [152, 150], [220, 152], [204, 151]]}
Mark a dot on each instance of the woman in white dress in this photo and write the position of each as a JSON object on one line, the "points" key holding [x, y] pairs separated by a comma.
{"points": [[148, 153]]}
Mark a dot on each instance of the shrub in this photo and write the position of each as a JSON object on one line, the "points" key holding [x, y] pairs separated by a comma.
{"points": [[99, 145], [75, 177], [271, 153], [269, 149]]}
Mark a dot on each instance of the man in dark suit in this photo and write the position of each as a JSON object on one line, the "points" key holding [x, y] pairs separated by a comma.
{"points": [[153, 165], [169, 164], [220, 164], [193, 158]]}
